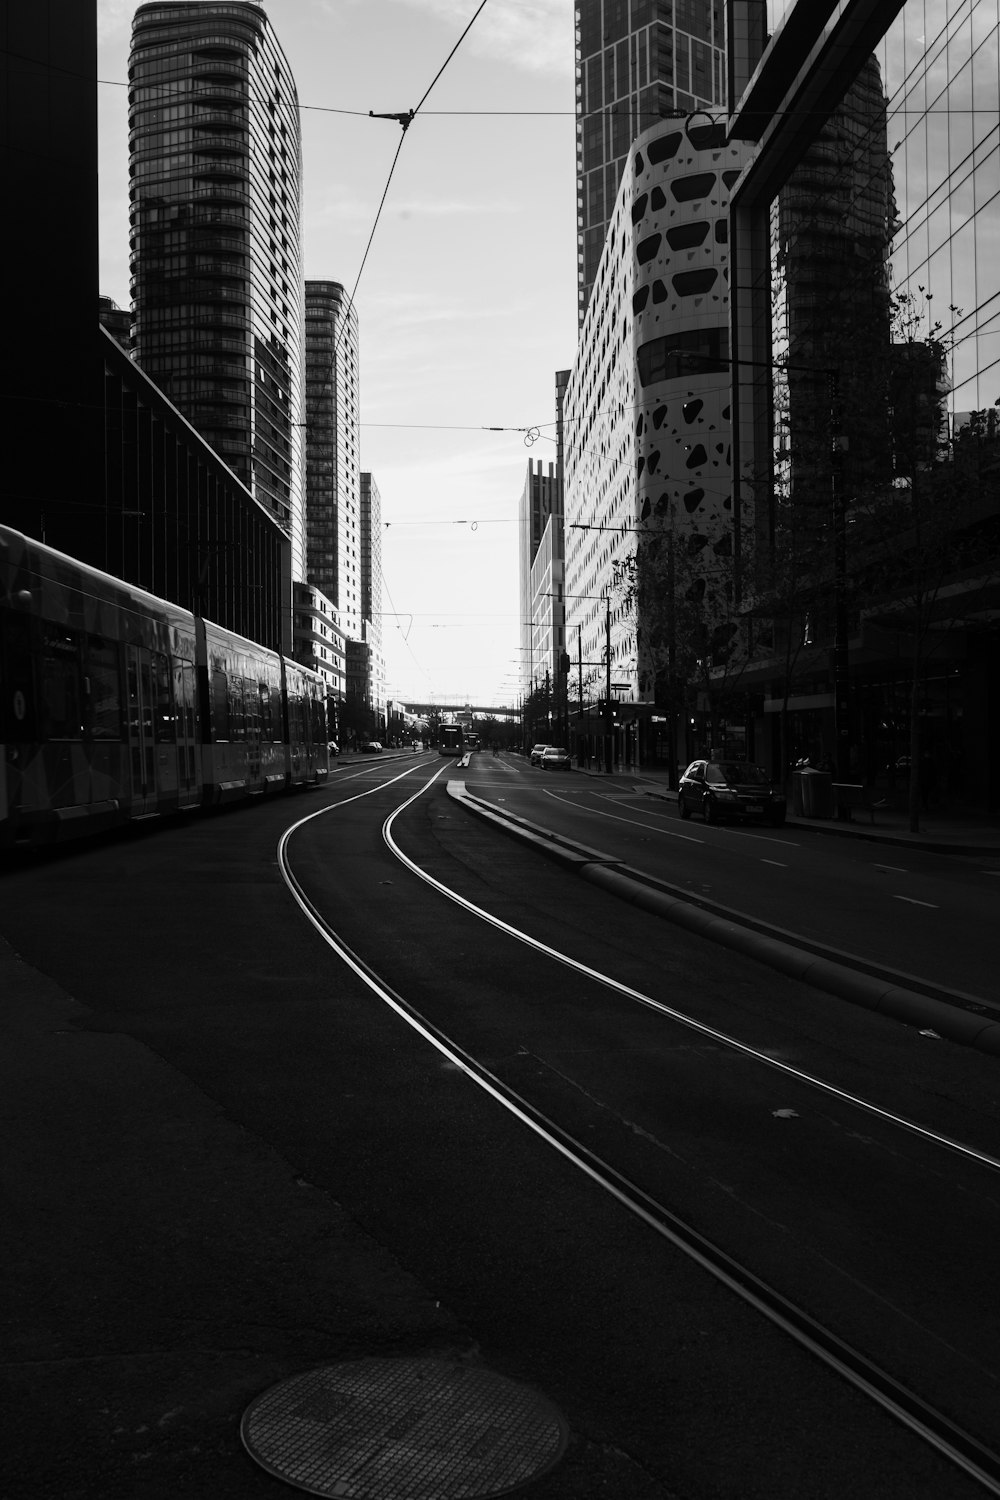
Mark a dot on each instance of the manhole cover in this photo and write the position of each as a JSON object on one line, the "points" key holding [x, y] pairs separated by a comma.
{"points": [[403, 1429]]}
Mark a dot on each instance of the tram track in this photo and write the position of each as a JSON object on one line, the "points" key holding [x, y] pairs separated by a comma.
{"points": [[956, 1445]]}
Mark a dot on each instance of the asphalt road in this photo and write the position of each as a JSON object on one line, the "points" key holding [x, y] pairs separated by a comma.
{"points": [[236, 1161], [926, 914]]}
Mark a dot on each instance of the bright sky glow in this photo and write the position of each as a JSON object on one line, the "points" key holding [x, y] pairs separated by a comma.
{"points": [[467, 302]]}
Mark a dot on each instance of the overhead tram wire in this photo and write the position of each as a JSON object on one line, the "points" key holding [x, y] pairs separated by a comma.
{"points": [[405, 119], [500, 114]]}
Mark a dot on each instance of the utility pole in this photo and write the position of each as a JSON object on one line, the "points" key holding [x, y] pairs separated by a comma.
{"points": [[609, 732], [841, 664]]}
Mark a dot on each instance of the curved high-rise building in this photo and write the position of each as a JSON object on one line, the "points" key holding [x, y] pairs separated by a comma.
{"points": [[215, 164]]}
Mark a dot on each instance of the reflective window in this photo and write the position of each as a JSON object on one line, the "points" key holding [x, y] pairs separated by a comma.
{"points": [[62, 683], [104, 704]]}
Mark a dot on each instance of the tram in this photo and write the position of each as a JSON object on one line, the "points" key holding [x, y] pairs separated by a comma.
{"points": [[450, 739], [116, 705]]}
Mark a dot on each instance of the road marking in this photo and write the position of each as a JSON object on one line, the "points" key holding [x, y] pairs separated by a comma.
{"points": [[774, 862], [896, 869], [932, 904], [768, 838], [740, 833], [653, 827]]}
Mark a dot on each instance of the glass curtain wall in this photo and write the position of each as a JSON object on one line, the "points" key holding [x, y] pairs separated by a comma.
{"points": [[885, 311]]}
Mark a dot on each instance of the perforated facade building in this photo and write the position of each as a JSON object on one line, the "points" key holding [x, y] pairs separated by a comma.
{"points": [[647, 406], [636, 61]]}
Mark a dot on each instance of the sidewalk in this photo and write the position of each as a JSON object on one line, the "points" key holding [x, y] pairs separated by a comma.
{"points": [[940, 829]]}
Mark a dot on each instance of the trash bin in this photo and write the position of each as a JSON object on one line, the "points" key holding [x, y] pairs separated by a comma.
{"points": [[814, 789]]}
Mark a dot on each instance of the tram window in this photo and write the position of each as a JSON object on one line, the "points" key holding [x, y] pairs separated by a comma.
{"points": [[61, 683], [164, 722], [104, 702], [221, 728], [251, 709], [266, 716], [318, 722], [237, 722], [184, 698]]}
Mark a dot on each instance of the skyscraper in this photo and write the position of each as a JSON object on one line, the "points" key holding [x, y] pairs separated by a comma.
{"points": [[216, 180], [371, 586], [333, 472], [637, 61]]}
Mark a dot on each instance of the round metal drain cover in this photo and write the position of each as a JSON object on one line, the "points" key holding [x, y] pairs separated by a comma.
{"points": [[403, 1429]]}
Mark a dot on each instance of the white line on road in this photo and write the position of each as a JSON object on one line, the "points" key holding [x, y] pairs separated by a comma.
{"points": [[774, 862], [653, 827], [910, 899], [896, 869]]}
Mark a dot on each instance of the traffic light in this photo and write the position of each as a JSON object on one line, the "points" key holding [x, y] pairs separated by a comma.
{"points": [[564, 662]]}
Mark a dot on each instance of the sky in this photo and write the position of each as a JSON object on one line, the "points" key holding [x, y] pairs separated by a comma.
{"points": [[467, 300]]}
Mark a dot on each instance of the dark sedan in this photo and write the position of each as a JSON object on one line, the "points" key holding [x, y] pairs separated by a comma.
{"points": [[730, 789]]}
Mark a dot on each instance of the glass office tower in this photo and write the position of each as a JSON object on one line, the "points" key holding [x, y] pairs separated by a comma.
{"points": [[637, 61], [216, 186], [865, 271]]}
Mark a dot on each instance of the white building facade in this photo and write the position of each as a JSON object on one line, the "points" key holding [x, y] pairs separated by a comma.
{"points": [[648, 403]]}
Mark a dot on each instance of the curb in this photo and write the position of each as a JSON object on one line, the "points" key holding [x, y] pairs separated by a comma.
{"points": [[833, 973]]}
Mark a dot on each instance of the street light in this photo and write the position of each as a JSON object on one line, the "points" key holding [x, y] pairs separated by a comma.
{"points": [[604, 598]]}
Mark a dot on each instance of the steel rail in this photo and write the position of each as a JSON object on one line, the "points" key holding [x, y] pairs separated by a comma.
{"points": [[957, 1446]]}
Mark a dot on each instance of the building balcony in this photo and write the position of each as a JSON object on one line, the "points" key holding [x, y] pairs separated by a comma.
{"points": [[219, 168], [216, 69], [221, 194], [201, 142], [204, 89], [201, 315]]}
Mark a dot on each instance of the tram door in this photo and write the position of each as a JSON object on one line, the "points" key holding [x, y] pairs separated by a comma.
{"points": [[142, 748], [188, 767]]}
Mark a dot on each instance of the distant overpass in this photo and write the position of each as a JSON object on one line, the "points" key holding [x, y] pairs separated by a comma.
{"points": [[423, 709]]}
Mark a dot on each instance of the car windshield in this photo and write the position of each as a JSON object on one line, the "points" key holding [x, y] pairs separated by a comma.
{"points": [[738, 773], [555, 750]]}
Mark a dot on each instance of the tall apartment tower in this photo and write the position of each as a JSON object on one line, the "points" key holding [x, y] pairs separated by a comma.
{"points": [[637, 61], [333, 472], [215, 164], [371, 585]]}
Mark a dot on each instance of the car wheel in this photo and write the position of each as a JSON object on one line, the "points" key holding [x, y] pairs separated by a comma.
{"points": [[711, 811], [682, 806]]}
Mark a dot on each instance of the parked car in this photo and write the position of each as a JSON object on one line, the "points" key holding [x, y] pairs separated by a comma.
{"points": [[730, 789], [555, 758], [536, 754], [371, 747]]}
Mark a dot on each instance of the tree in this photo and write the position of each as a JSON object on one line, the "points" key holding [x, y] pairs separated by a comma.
{"points": [[692, 645], [433, 719]]}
